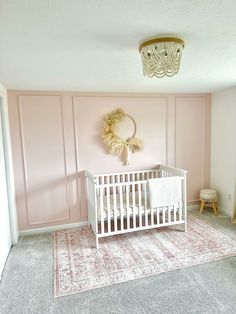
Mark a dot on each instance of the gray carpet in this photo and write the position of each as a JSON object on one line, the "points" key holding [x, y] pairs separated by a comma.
{"points": [[27, 285]]}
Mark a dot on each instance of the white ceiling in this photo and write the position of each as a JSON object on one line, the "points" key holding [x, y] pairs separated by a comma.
{"points": [[92, 45]]}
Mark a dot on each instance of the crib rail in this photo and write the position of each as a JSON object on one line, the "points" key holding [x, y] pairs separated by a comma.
{"points": [[166, 171], [127, 176]]}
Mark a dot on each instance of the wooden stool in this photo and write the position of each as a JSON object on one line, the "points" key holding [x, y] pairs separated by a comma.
{"points": [[208, 197]]}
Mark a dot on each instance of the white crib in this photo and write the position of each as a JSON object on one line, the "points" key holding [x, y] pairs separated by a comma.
{"points": [[118, 202]]}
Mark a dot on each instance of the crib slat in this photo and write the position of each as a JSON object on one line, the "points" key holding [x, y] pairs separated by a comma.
{"points": [[108, 210], [142, 178], [115, 208], [133, 177], [145, 204], [102, 210], [123, 181], [158, 216], [117, 181], [139, 205], [169, 214], [127, 207], [180, 212], [134, 206], [121, 208], [174, 213], [123, 178], [152, 216], [128, 180], [163, 214]]}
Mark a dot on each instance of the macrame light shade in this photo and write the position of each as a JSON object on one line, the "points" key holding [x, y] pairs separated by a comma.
{"points": [[161, 56]]}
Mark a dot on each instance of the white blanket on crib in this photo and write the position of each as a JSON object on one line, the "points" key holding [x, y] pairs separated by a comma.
{"points": [[164, 191]]}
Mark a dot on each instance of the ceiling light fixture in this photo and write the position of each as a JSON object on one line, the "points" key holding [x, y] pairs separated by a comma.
{"points": [[161, 56]]}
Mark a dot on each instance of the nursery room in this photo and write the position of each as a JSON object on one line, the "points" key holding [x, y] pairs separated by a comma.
{"points": [[117, 156]]}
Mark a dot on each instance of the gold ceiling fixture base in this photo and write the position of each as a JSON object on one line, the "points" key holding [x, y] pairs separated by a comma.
{"points": [[161, 40]]}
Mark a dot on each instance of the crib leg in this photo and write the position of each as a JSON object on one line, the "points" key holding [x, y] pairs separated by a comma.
{"points": [[97, 244], [185, 227]]}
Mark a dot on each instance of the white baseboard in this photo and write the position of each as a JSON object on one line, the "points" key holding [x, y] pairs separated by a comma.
{"points": [[221, 210], [52, 228], [81, 224], [225, 211], [192, 207]]}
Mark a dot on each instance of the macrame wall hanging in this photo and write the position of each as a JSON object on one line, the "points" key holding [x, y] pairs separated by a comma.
{"points": [[116, 145]]}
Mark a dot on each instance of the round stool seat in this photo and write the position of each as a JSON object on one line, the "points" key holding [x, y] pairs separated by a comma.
{"points": [[208, 195]]}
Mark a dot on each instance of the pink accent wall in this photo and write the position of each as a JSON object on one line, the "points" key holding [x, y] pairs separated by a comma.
{"points": [[56, 135]]}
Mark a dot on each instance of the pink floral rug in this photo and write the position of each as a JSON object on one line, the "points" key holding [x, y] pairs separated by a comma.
{"points": [[79, 266]]}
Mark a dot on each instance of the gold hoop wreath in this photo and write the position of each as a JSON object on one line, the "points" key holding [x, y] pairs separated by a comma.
{"points": [[115, 145]]}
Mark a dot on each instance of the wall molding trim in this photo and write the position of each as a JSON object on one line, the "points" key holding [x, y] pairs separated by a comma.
{"points": [[24, 157], [52, 228], [73, 144]]}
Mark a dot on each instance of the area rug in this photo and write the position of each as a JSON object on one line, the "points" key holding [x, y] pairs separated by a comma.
{"points": [[80, 267]]}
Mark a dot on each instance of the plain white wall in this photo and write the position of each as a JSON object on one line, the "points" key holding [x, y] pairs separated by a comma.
{"points": [[9, 167], [223, 148]]}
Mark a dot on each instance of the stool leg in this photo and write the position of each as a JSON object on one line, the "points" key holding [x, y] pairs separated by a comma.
{"points": [[202, 206], [214, 208], [217, 208]]}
